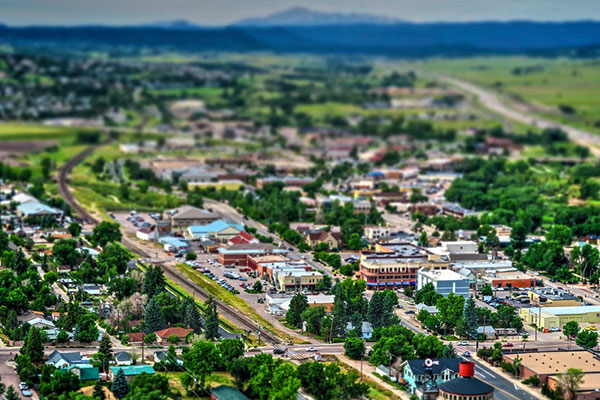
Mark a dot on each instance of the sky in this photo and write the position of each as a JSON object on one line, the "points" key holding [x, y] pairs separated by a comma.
{"points": [[221, 12]]}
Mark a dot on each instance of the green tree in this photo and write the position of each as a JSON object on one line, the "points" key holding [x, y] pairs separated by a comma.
{"points": [[561, 234], [257, 287], [589, 189], [74, 229], [328, 382], [354, 348], [11, 393], [199, 362], [381, 308], [571, 381], [449, 352], [61, 382], [106, 232], [114, 255], [423, 239], [487, 290], [469, 318], [427, 295], [571, 329], [154, 281], [313, 316], [33, 346], [65, 252], [285, 383], [105, 346], [587, 339], [191, 317], [355, 242], [298, 304], [230, 350], [99, 393], [149, 387], [153, 320], [119, 386], [211, 320], [324, 284]]}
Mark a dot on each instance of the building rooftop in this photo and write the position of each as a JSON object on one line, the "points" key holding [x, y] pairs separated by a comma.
{"points": [[557, 362], [566, 310], [133, 369], [215, 226], [35, 207], [441, 274], [189, 212], [554, 294]]}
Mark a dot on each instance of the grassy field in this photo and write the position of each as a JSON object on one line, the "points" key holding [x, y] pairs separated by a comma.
{"points": [[233, 300], [18, 131], [546, 84]]}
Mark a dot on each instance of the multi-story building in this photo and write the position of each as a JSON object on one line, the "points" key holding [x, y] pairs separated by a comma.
{"points": [[444, 282], [297, 279], [397, 265], [374, 232], [185, 216], [238, 254]]}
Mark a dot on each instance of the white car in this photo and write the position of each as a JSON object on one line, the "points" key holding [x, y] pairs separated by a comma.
{"points": [[311, 349], [463, 343], [23, 386]]}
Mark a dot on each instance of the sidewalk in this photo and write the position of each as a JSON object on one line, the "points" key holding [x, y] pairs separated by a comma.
{"points": [[367, 372]]}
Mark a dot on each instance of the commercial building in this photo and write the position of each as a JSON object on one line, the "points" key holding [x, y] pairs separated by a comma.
{"points": [[288, 181], [260, 262], [218, 229], [552, 297], [37, 209], [557, 317], [444, 282], [295, 277], [510, 279], [374, 233], [186, 216], [546, 365], [466, 386], [238, 254], [171, 243], [397, 265]]}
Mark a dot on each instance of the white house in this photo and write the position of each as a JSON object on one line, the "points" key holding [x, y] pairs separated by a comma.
{"points": [[147, 234]]}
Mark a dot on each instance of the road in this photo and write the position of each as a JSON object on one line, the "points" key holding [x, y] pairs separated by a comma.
{"points": [[511, 110]]}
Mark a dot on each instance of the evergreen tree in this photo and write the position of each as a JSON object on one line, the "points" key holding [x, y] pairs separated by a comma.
{"points": [[211, 322], [11, 393], [33, 346], [191, 317], [153, 320], [154, 281], [98, 393], [469, 319], [105, 346], [449, 352], [120, 387]]}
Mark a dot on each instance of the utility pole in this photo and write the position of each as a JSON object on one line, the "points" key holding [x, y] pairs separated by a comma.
{"points": [[142, 346], [331, 329]]}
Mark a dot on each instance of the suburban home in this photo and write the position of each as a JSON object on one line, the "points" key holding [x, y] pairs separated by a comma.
{"points": [[442, 370], [85, 372], [53, 334], [224, 392], [218, 229], [123, 358], [164, 334], [366, 329], [92, 290], [135, 337], [63, 360], [161, 355], [41, 323], [186, 216], [332, 239], [147, 234], [130, 371]]}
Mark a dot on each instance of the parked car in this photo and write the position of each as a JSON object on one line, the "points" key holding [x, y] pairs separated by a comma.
{"points": [[590, 328], [555, 329], [400, 306], [507, 344], [26, 393], [23, 386], [463, 343], [409, 312], [278, 351], [466, 354], [312, 349]]}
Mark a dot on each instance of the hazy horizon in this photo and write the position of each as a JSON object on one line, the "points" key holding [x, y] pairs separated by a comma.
{"points": [[224, 12]]}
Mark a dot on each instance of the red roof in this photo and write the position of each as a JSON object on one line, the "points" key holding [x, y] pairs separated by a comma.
{"points": [[135, 337], [242, 238], [177, 331]]}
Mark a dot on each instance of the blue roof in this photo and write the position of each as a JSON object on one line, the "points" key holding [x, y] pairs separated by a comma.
{"points": [[35, 207], [375, 173], [133, 369], [173, 241], [215, 226]]}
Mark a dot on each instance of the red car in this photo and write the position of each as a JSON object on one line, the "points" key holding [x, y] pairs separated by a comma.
{"points": [[507, 345]]}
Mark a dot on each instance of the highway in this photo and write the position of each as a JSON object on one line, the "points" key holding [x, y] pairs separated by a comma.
{"points": [[492, 101]]}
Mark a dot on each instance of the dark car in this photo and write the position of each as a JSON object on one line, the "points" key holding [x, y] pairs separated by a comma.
{"points": [[409, 312], [278, 351]]}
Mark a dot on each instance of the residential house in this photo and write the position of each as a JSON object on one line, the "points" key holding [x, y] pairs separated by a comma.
{"points": [[92, 290], [366, 329], [63, 360], [333, 239], [243, 238], [123, 358], [161, 355], [41, 323], [147, 234], [36, 209], [416, 374], [164, 334], [130, 371], [224, 392], [85, 372]]}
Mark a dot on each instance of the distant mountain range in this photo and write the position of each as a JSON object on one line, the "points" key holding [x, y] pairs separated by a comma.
{"points": [[302, 30], [300, 16]]}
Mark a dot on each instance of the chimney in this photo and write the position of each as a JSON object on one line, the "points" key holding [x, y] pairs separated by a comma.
{"points": [[466, 369]]}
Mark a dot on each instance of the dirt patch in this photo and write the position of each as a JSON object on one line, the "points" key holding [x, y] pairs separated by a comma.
{"points": [[10, 150]]}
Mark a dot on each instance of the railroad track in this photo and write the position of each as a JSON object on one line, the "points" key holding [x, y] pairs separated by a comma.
{"points": [[228, 312]]}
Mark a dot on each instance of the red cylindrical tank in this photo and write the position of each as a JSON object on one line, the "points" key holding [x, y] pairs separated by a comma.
{"points": [[466, 369]]}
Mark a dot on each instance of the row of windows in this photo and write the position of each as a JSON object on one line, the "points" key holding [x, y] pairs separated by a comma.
{"points": [[448, 396]]}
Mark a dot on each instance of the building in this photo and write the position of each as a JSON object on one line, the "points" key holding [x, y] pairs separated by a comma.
{"points": [[466, 386], [557, 317], [123, 358], [444, 282], [36, 209], [428, 209], [455, 210], [510, 279], [63, 360], [147, 234], [238, 254], [224, 392], [85, 372], [416, 374], [288, 181], [130, 371], [165, 334], [366, 329], [173, 244], [218, 229], [243, 238], [260, 262], [552, 297], [185, 216], [547, 364], [393, 265], [163, 356], [374, 233], [296, 279], [460, 247], [332, 239]]}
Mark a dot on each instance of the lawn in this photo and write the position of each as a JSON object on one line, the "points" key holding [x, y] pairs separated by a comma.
{"points": [[18, 131]]}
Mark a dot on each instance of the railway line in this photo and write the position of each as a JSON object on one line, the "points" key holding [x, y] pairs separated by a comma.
{"points": [[228, 312]]}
